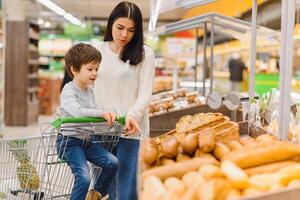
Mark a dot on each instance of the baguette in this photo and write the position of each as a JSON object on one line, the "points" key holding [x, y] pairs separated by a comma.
{"points": [[247, 141], [221, 150], [234, 145], [178, 169], [236, 175], [251, 157], [269, 168]]}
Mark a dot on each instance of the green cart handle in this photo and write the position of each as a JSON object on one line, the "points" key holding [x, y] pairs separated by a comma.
{"points": [[58, 122]]}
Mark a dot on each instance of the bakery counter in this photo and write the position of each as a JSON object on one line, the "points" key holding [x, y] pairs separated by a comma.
{"points": [[207, 156]]}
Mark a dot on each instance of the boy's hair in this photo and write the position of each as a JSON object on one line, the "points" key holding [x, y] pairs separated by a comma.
{"points": [[81, 54]]}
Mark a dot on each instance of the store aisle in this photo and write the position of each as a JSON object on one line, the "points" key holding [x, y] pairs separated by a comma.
{"points": [[9, 132]]}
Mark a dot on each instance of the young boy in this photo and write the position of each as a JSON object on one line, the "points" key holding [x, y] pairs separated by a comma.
{"points": [[75, 145]]}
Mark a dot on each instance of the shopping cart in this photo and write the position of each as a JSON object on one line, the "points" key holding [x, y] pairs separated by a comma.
{"points": [[30, 168]]}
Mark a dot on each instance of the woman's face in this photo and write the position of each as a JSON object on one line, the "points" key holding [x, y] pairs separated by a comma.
{"points": [[123, 30]]}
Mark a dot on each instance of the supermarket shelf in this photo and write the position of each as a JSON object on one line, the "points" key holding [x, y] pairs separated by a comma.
{"points": [[52, 55], [34, 62], [33, 103], [32, 76], [32, 89]]}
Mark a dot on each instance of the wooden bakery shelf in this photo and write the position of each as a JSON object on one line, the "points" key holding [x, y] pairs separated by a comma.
{"points": [[165, 121]]}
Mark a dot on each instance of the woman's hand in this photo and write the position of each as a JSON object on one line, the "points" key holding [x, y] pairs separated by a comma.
{"points": [[110, 118], [131, 126]]}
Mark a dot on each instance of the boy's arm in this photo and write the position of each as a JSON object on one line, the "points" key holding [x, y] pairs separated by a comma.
{"points": [[69, 102]]}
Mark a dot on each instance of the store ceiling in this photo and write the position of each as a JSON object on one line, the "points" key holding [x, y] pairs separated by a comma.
{"points": [[96, 10]]}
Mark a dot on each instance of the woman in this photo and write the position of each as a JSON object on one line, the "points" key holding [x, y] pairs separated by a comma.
{"points": [[124, 86]]}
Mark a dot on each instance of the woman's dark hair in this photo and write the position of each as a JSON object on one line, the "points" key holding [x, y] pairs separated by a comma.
{"points": [[134, 50]]}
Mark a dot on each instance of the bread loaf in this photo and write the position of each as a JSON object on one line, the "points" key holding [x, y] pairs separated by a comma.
{"points": [[269, 168], [251, 157]]}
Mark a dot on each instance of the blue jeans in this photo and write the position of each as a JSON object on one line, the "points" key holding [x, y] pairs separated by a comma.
{"points": [[125, 185], [76, 153]]}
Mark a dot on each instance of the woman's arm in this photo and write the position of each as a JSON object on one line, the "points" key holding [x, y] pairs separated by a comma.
{"points": [[146, 77]]}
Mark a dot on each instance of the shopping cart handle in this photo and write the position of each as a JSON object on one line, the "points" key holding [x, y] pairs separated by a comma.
{"points": [[58, 122]]}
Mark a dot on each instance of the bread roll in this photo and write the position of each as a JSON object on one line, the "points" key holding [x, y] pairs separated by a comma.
{"points": [[175, 185], [192, 178], [233, 194], [211, 171], [207, 139], [154, 187]]}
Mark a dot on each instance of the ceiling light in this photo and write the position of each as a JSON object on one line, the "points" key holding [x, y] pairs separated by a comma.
{"points": [[72, 19], [83, 25], [47, 24], [52, 6], [193, 3], [40, 21], [55, 8]]}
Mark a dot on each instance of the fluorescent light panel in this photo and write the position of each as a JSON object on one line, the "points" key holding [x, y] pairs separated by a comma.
{"points": [[190, 4], [57, 9], [72, 19]]}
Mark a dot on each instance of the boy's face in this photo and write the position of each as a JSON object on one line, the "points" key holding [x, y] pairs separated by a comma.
{"points": [[87, 74]]}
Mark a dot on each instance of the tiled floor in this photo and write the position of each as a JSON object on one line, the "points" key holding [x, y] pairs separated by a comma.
{"points": [[9, 132]]}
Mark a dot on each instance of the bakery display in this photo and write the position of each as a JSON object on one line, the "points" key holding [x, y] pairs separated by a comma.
{"points": [[168, 101], [204, 157]]}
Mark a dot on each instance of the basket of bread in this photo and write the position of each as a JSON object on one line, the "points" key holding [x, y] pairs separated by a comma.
{"points": [[204, 158]]}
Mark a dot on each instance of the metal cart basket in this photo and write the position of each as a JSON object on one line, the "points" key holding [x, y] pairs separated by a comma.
{"points": [[30, 168]]}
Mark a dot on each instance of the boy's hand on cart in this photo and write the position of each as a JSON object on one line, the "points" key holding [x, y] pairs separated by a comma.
{"points": [[131, 126], [110, 118]]}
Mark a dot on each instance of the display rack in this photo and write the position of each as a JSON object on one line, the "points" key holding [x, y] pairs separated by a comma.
{"points": [[21, 78], [218, 23], [1, 69], [286, 60]]}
